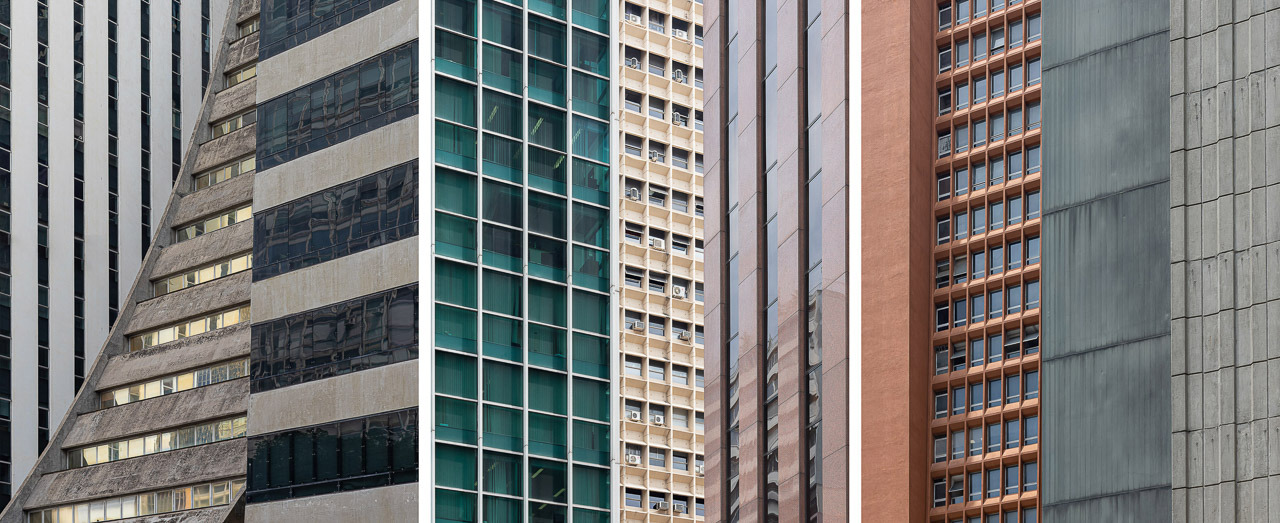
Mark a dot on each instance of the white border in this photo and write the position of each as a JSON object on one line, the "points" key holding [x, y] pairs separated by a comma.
{"points": [[426, 221], [855, 260]]}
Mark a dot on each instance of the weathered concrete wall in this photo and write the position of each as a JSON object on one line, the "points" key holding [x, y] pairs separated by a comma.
{"points": [[226, 195], [363, 273], [234, 99], [1105, 427], [364, 393], [223, 460], [188, 353], [217, 295], [1225, 256], [220, 150], [338, 49], [398, 503], [202, 249], [221, 400]]}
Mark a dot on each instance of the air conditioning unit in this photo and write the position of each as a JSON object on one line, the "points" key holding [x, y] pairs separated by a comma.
{"points": [[633, 459], [680, 33], [633, 194], [684, 336], [699, 470], [680, 77], [633, 415], [655, 155], [658, 243], [633, 62], [680, 119], [663, 505], [682, 508], [633, 18], [678, 292], [659, 419], [637, 326]]}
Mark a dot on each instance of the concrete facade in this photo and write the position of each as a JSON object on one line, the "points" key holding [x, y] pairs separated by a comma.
{"points": [[1106, 443], [1224, 200]]}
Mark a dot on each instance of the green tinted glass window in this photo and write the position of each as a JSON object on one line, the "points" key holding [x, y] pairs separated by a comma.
{"points": [[455, 466], [503, 383], [455, 192], [455, 328], [592, 225], [548, 435], [548, 391], [547, 39], [459, 15], [455, 237], [455, 145], [547, 347], [547, 83], [455, 507], [502, 293], [591, 442], [455, 420], [502, 510], [548, 303], [590, 355], [547, 259], [591, 312], [591, 95], [456, 55], [503, 428], [548, 480], [502, 338], [502, 247], [502, 474], [455, 283], [592, 14], [456, 101], [546, 127], [591, 486], [590, 182], [590, 139], [502, 69], [553, 8], [591, 399], [455, 375], [502, 158], [591, 52], [590, 268], [503, 204], [502, 113], [548, 170], [503, 25], [548, 215]]}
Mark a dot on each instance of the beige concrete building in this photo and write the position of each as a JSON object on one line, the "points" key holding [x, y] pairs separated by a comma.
{"points": [[660, 252]]}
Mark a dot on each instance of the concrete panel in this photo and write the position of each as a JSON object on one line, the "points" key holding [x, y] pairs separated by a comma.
{"points": [[242, 51], [234, 100], [1112, 104], [223, 460], [382, 389], [365, 154], [397, 503], [203, 249], [1107, 430], [211, 402], [1146, 506], [223, 514], [353, 276], [188, 353], [338, 49], [1112, 251], [1081, 27], [226, 195], [220, 294], [239, 143]]}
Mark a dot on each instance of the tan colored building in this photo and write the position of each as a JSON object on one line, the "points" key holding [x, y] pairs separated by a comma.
{"points": [[660, 255]]}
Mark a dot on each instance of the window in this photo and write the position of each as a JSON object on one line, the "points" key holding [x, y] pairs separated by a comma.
{"points": [[975, 441], [957, 401], [997, 41], [657, 108], [997, 83], [979, 176], [960, 313], [657, 65], [1032, 432], [634, 366], [1033, 294], [146, 340], [657, 327], [1033, 115], [997, 217], [944, 229], [1015, 121], [979, 133], [961, 269], [1030, 481], [680, 375], [944, 316], [979, 307], [1033, 71], [635, 498], [1015, 77], [975, 483], [631, 101], [993, 483], [976, 352], [657, 22], [979, 264], [944, 16], [1033, 159], [1015, 210], [979, 45], [997, 127], [657, 457], [1013, 388], [202, 275], [657, 370], [142, 445], [174, 384], [234, 123], [633, 276], [1012, 436], [993, 437], [1015, 165], [248, 27], [944, 100], [979, 221], [1032, 385], [680, 460], [1015, 33], [1031, 339], [962, 95], [962, 225], [1015, 255], [944, 185], [1033, 248], [1012, 344], [956, 490], [940, 360], [962, 11], [957, 445], [997, 170], [223, 173], [939, 492], [1033, 27], [962, 138], [962, 181], [944, 59], [962, 53], [939, 448], [995, 394], [958, 358], [979, 89], [1011, 486], [975, 396], [940, 404], [995, 348], [214, 494], [240, 75]]}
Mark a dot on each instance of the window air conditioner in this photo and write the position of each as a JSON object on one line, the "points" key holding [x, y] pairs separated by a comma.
{"points": [[663, 505], [637, 326], [682, 508], [680, 33], [658, 243], [633, 459], [684, 336], [633, 415], [633, 62], [633, 18], [633, 194], [680, 77], [699, 470], [659, 419], [678, 292]]}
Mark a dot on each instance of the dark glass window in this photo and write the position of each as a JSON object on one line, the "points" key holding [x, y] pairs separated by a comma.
{"points": [[368, 452], [289, 23], [369, 95], [376, 330]]}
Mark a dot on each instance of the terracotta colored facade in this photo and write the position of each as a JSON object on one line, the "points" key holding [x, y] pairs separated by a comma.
{"points": [[950, 262], [777, 268]]}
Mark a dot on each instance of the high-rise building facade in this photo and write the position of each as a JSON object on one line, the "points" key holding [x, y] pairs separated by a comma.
{"points": [[776, 236], [661, 261], [97, 100], [952, 174], [200, 407], [524, 260]]}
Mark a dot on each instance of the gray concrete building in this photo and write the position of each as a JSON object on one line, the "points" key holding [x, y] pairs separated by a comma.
{"points": [[266, 355], [97, 102]]}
